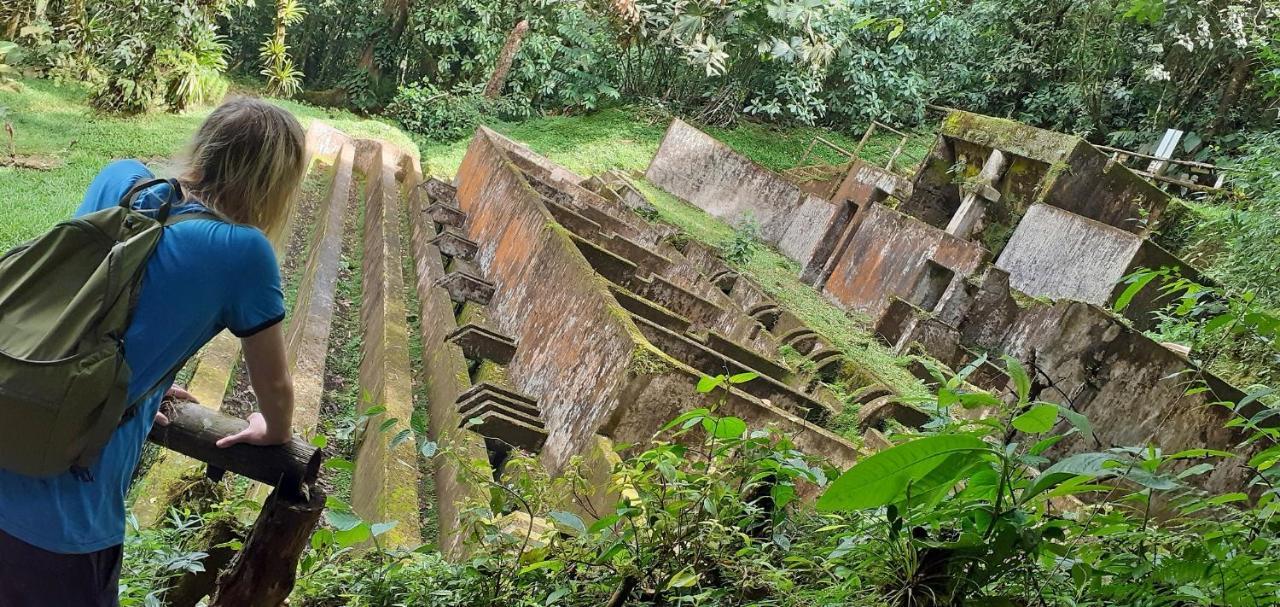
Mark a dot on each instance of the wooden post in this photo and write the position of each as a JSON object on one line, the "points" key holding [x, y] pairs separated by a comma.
{"points": [[807, 150], [888, 166], [264, 572], [192, 587], [871, 129]]}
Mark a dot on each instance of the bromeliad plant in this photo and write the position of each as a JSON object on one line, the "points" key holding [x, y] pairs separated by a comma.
{"points": [[283, 79]]}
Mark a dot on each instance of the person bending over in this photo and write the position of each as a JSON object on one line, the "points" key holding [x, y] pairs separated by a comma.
{"points": [[61, 537]]}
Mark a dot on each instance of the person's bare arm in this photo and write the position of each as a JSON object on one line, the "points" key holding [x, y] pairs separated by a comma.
{"points": [[273, 385]]}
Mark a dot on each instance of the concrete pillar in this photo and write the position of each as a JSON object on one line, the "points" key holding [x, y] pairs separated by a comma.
{"points": [[974, 204]]}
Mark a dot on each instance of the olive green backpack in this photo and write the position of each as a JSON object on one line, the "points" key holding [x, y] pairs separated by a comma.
{"points": [[65, 302]]}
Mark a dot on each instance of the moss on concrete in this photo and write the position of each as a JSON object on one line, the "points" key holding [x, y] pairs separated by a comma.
{"points": [[646, 359], [492, 372], [1010, 135], [780, 277]]}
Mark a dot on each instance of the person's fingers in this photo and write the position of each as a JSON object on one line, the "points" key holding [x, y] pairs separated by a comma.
{"points": [[234, 439], [182, 394], [161, 419]]}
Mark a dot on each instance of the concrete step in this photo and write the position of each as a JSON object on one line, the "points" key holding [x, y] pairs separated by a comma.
{"points": [[479, 342], [710, 362], [308, 334]]}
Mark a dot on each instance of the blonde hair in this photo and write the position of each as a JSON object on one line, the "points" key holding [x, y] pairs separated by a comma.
{"points": [[245, 163]]}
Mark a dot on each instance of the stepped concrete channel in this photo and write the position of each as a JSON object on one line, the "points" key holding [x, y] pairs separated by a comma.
{"points": [[556, 322], [386, 479], [1007, 240]]}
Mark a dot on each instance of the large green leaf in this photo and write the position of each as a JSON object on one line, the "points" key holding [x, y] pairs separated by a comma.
{"points": [[880, 479], [1038, 419], [1140, 280], [724, 427], [927, 491], [1018, 373], [1089, 465]]}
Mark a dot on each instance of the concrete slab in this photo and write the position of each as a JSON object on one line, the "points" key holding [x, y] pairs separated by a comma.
{"points": [[1060, 255], [453, 243], [893, 254], [695, 167], [480, 343], [385, 483]]}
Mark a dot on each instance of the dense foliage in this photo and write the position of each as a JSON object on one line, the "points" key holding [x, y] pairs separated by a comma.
{"points": [[1117, 69], [956, 515]]}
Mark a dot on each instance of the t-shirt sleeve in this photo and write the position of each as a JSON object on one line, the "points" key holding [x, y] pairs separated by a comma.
{"points": [[111, 184], [256, 300]]}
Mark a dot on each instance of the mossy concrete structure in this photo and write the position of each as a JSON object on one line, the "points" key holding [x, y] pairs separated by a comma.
{"points": [[1058, 254], [1015, 240], [887, 253], [1134, 390], [1041, 166], [613, 328], [697, 168]]}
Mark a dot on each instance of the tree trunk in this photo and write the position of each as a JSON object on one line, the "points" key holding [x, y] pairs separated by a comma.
{"points": [[397, 13], [1231, 92], [192, 587], [502, 68], [264, 572]]}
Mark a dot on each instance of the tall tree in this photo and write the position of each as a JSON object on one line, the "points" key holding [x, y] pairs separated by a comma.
{"points": [[395, 15]]}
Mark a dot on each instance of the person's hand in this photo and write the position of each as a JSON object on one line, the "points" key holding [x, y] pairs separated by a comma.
{"points": [[257, 433], [174, 393]]}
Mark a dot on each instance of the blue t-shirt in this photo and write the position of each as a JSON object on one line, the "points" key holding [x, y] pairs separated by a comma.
{"points": [[205, 276]]}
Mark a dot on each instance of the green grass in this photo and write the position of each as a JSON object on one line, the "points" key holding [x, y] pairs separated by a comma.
{"points": [[626, 138], [52, 120], [586, 144]]}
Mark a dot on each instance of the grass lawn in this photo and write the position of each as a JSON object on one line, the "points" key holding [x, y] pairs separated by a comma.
{"points": [[55, 121], [626, 138]]}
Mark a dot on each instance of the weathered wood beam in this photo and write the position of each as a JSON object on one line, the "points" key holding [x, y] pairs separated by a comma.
{"points": [[194, 430]]}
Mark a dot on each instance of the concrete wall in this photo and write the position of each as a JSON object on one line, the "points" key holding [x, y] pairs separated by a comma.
{"points": [[695, 167], [385, 483], [1058, 254], [1104, 191], [575, 342], [580, 354], [1043, 167], [886, 255], [444, 377], [1132, 389]]}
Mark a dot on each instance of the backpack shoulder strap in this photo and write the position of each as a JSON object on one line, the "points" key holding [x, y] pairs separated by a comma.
{"points": [[181, 217]]}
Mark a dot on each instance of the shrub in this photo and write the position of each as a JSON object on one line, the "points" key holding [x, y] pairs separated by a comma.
{"points": [[448, 115], [744, 242]]}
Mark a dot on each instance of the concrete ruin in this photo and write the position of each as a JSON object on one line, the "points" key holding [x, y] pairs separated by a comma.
{"points": [[1007, 240], [590, 329], [554, 321], [695, 167]]}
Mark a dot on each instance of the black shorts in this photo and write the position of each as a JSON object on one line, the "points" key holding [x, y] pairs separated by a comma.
{"points": [[32, 577]]}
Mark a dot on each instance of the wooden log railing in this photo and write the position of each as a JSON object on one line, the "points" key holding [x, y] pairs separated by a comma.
{"points": [[262, 574]]}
